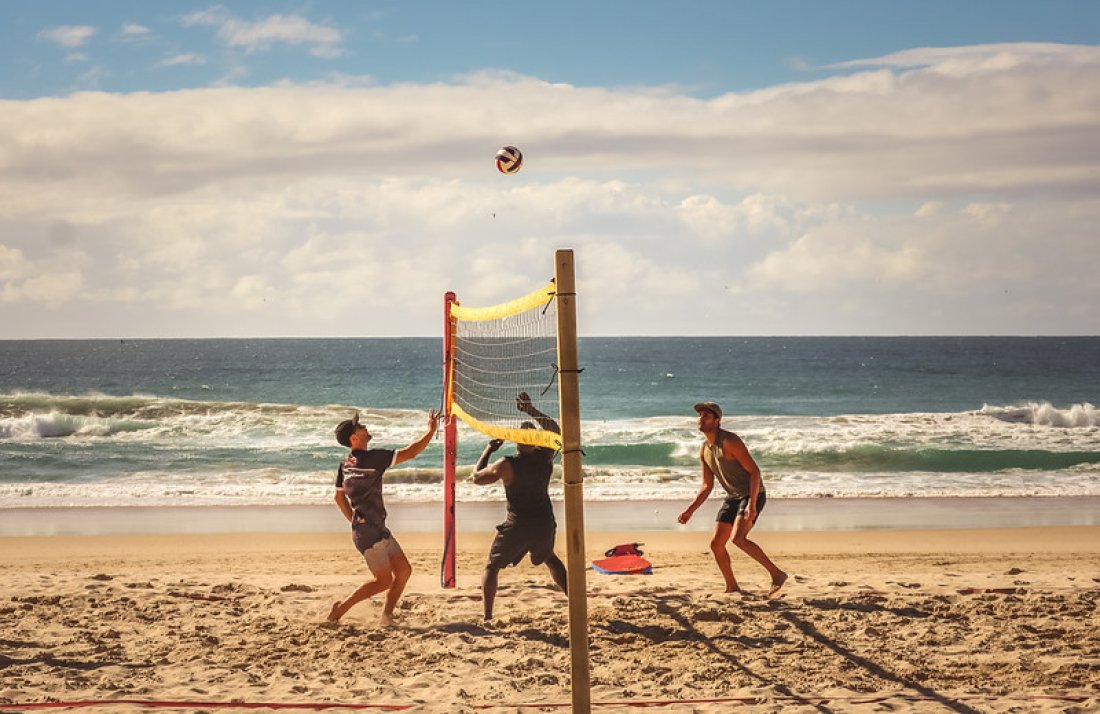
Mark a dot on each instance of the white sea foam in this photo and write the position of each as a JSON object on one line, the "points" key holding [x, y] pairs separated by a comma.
{"points": [[272, 487], [157, 451]]}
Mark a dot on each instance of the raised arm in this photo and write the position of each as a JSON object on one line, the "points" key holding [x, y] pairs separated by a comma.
{"points": [[414, 449], [485, 474], [524, 404]]}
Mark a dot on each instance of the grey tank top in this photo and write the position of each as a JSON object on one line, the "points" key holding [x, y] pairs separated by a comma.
{"points": [[729, 472]]}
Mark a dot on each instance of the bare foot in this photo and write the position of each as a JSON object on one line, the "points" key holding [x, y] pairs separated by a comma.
{"points": [[777, 585], [333, 614], [386, 620]]}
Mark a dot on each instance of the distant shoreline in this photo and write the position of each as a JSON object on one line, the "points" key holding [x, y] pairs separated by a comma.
{"points": [[780, 515]]}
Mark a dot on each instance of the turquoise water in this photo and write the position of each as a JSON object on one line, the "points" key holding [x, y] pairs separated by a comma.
{"points": [[225, 422]]}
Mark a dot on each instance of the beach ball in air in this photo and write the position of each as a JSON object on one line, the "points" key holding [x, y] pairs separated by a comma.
{"points": [[509, 160]]}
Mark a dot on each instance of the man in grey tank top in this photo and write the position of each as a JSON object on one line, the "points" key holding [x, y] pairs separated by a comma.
{"points": [[725, 457]]}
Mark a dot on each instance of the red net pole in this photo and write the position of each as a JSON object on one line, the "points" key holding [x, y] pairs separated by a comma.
{"points": [[450, 449]]}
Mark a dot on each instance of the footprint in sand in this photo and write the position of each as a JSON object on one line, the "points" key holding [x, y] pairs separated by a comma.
{"points": [[294, 587]]}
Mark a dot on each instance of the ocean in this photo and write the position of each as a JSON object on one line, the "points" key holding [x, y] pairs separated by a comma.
{"points": [[223, 422]]}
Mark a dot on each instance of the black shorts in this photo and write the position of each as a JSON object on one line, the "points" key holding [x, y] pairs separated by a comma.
{"points": [[516, 539], [735, 506]]}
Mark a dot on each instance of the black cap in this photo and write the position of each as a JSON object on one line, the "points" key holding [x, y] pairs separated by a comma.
{"points": [[710, 407], [346, 428]]}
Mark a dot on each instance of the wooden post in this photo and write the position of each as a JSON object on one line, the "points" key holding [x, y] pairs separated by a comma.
{"points": [[569, 396]]}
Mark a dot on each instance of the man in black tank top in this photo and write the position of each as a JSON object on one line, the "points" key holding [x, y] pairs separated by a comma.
{"points": [[530, 526], [725, 457]]}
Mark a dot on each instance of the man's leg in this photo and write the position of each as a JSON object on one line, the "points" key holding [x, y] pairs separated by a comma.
{"points": [[402, 569], [741, 529], [721, 556], [489, 588], [383, 578], [557, 570]]}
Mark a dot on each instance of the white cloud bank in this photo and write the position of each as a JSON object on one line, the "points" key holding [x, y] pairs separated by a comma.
{"points": [[936, 192]]}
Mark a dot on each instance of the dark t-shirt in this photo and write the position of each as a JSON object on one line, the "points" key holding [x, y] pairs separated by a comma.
{"points": [[527, 496], [360, 478]]}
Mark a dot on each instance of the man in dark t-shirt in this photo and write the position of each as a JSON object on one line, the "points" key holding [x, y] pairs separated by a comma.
{"points": [[530, 526], [359, 498]]}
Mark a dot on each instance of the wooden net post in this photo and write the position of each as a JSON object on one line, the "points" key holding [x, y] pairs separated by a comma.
{"points": [[569, 396]]}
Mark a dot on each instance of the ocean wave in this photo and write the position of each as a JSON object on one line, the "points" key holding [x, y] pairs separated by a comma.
{"points": [[874, 458], [153, 407], [1082, 415], [54, 424], [153, 419]]}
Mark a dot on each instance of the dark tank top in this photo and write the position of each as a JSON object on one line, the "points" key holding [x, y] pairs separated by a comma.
{"points": [[729, 472], [526, 494]]}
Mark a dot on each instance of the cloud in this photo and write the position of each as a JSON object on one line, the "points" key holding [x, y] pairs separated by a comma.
{"points": [[188, 58], [13, 264], [990, 214], [894, 200], [68, 35], [261, 35], [132, 29], [971, 58]]}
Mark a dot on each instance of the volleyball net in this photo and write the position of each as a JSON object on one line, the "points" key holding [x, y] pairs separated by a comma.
{"points": [[499, 353], [496, 359]]}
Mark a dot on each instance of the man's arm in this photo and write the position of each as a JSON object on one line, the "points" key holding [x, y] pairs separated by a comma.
{"points": [[485, 474], [704, 492], [414, 449], [524, 404], [341, 499]]}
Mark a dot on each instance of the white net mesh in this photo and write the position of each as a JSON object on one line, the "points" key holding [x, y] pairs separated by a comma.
{"points": [[499, 353]]}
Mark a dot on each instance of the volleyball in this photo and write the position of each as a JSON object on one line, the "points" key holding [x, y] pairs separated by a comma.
{"points": [[509, 160]]}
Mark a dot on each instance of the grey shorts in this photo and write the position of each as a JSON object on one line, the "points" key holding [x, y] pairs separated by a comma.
{"points": [[380, 555]]}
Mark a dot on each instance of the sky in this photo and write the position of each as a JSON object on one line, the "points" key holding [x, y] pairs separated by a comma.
{"points": [[325, 168]]}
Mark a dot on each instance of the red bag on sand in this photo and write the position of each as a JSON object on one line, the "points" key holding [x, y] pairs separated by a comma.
{"points": [[624, 559]]}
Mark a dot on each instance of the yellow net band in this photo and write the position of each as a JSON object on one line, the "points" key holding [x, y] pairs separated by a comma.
{"points": [[534, 437], [539, 297]]}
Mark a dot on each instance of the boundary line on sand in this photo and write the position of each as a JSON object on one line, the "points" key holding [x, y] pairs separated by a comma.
{"points": [[319, 706]]}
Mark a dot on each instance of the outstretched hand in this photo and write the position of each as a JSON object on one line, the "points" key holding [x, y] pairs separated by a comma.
{"points": [[433, 419], [523, 403], [494, 445]]}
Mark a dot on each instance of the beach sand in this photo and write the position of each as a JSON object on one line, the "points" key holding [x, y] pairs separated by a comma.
{"points": [[940, 620]]}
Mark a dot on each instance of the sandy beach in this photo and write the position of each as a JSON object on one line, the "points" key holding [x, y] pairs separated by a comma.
{"points": [[937, 620]]}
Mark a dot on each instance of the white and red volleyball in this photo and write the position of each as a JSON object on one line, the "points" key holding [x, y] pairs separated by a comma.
{"points": [[509, 160]]}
